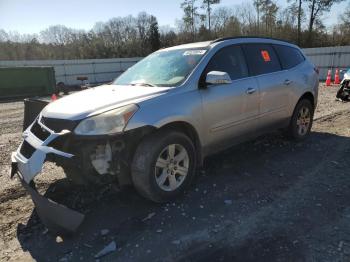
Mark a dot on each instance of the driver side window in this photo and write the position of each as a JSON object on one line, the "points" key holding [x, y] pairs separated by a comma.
{"points": [[231, 60]]}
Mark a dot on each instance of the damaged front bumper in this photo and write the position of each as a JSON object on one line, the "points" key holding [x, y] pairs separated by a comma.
{"points": [[27, 162]]}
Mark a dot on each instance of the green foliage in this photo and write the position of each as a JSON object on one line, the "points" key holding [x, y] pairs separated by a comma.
{"points": [[153, 35]]}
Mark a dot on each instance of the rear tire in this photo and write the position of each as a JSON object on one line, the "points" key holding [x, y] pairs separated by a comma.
{"points": [[301, 121], [163, 165]]}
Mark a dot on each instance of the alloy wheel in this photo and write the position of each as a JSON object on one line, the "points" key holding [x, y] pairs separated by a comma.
{"points": [[303, 120], [172, 167]]}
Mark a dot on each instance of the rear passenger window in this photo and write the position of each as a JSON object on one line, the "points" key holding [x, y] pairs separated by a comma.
{"points": [[230, 60], [261, 59], [289, 56]]}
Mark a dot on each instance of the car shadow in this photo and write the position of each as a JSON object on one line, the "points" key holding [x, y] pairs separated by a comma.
{"points": [[255, 174]]}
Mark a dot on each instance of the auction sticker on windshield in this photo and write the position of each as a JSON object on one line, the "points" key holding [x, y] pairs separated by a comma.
{"points": [[195, 52]]}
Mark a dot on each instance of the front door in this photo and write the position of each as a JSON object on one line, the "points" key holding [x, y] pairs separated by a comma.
{"points": [[229, 110]]}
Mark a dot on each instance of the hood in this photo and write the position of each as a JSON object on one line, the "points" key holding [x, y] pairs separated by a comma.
{"points": [[81, 104]]}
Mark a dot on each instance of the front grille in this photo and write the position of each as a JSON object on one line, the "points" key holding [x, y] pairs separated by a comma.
{"points": [[59, 143], [39, 132], [27, 150], [58, 125]]}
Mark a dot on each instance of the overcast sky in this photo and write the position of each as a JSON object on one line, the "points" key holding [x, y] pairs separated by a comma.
{"points": [[32, 16]]}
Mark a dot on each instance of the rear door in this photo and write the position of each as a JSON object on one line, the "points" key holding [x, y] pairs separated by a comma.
{"points": [[264, 63], [297, 73], [229, 110]]}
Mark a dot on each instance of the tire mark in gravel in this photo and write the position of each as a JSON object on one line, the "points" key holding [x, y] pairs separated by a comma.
{"points": [[12, 193], [330, 116]]}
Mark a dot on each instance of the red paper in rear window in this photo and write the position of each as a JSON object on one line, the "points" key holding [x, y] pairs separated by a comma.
{"points": [[265, 55]]}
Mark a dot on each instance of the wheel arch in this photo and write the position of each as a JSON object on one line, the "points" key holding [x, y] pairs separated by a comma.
{"points": [[309, 96], [191, 132]]}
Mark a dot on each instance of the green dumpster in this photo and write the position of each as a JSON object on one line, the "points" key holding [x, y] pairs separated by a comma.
{"points": [[26, 81]]}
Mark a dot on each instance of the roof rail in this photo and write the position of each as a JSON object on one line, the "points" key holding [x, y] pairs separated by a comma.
{"points": [[238, 37]]}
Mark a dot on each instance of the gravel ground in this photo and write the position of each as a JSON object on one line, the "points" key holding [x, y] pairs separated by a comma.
{"points": [[266, 200]]}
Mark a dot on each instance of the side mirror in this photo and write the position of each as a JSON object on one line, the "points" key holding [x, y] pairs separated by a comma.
{"points": [[217, 78]]}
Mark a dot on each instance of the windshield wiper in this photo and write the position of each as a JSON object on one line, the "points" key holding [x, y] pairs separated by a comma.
{"points": [[143, 84]]}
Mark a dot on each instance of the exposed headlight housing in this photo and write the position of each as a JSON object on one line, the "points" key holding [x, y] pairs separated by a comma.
{"points": [[110, 122]]}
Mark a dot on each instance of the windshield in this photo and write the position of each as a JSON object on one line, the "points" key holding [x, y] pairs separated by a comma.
{"points": [[162, 68]]}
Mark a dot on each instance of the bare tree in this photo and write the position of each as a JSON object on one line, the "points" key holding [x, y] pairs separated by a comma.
{"points": [[138, 36], [300, 10], [206, 4], [247, 18], [317, 7], [57, 34], [297, 9], [258, 6], [345, 18], [220, 19], [269, 11], [341, 32], [3, 36], [190, 15]]}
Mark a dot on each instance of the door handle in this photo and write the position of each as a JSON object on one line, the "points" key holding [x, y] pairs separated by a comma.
{"points": [[250, 90], [287, 82]]}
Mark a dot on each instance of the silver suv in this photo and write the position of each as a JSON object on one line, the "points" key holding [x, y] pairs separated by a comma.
{"points": [[158, 120]]}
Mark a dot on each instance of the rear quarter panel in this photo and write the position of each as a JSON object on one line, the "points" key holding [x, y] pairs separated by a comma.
{"points": [[305, 79]]}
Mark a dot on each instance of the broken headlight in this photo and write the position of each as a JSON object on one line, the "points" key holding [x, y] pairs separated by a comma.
{"points": [[113, 121]]}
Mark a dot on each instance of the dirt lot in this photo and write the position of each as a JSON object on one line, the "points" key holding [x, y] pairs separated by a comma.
{"points": [[266, 200]]}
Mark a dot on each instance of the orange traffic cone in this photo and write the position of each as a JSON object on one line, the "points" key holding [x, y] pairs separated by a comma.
{"points": [[336, 77], [329, 78], [53, 97]]}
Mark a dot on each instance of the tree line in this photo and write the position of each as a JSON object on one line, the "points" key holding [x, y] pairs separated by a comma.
{"points": [[300, 22]]}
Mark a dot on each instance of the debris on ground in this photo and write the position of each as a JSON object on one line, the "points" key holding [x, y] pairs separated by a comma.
{"points": [[176, 242], [104, 232], [88, 245], [340, 246], [111, 247], [59, 239], [228, 202], [149, 216]]}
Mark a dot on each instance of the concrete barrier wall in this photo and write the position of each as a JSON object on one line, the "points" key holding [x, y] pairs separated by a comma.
{"points": [[329, 58], [105, 70], [67, 71]]}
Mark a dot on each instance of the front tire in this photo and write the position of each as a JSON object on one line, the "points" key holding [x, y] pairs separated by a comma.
{"points": [[163, 165], [301, 121]]}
